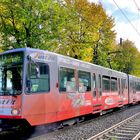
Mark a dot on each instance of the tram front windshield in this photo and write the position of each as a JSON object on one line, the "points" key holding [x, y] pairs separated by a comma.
{"points": [[11, 67]]}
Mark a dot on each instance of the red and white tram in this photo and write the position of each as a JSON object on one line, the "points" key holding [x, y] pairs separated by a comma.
{"points": [[42, 87]]}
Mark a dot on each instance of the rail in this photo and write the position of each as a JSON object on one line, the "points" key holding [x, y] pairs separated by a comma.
{"points": [[128, 129]]}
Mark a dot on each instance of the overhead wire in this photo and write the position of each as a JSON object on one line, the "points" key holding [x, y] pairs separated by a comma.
{"points": [[126, 18], [138, 14], [136, 5]]}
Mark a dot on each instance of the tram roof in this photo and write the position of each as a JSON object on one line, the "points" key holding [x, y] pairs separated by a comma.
{"points": [[61, 56]]}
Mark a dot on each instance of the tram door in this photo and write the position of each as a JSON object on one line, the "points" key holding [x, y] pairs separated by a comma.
{"points": [[132, 91], [96, 92], [119, 92], [94, 87]]}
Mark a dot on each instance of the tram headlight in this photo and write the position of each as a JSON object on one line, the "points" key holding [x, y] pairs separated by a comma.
{"points": [[15, 111]]}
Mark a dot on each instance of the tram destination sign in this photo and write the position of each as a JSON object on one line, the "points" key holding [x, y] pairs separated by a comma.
{"points": [[11, 58]]}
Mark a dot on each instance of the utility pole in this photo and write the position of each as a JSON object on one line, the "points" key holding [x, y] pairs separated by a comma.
{"points": [[95, 53], [114, 52], [121, 40]]}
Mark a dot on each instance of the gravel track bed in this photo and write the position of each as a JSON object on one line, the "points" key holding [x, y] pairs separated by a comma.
{"points": [[87, 129]]}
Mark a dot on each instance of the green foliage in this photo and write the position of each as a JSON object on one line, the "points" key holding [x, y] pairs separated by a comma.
{"points": [[86, 25], [127, 60], [24, 22], [136, 68]]}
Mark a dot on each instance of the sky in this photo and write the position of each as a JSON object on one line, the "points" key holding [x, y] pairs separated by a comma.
{"points": [[127, 20]]}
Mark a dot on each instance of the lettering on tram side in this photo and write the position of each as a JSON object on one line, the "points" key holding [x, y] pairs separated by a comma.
{"points": [[42, 56], [7, 101], [109, 101]]}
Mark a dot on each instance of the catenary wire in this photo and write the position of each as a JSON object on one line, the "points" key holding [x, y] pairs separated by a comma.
{"points": [[126, 17]]}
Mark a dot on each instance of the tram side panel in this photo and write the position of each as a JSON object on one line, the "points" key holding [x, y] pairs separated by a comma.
{"points": [[134, 89], [75, 97], [65, 90], [114, 89], [137, 87], [40, 101]]}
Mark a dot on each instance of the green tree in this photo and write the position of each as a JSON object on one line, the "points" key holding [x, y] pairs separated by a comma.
{"points": [[86, 25], [136, 68], [27, 23], [127, 60]]}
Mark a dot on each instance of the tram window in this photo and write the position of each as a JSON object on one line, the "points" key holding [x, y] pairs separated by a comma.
{"points": [[119, 88], [123, 82], [94, 84], [106, 83], [99, 81], [39, 83], [84, 81], [99, 85], [114, 84], [67, 80], [131, 85], [137, 86]]}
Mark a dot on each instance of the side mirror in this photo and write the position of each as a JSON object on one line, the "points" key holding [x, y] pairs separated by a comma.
{"points": [[37, 70]]}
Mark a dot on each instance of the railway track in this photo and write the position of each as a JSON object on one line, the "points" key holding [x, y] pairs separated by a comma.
{"points": [[128, 129]]}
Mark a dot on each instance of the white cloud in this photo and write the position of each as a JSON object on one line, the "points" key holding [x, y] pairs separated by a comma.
{"points": [[123, 4], [126, 31]]}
